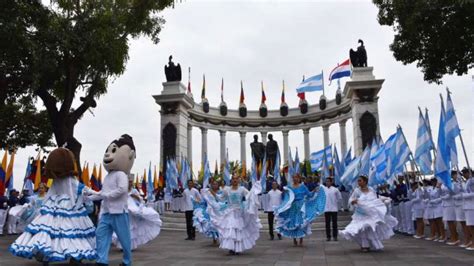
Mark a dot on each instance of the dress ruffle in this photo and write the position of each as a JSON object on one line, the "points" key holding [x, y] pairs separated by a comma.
{"points": [[202, 220], [59, 232]]}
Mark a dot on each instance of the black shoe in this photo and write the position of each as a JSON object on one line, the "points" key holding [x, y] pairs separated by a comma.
{"points": [[75, 262], [101, 264], [335, 239], [328, 239], [231, 252], [279, 237], [272, 238], [193, 238], [188, 238]]}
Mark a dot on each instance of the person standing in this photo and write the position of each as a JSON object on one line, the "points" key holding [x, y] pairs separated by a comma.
{"points": [[3, 212], [190, 194], [12, 220], [333, 199], [274, 200]]}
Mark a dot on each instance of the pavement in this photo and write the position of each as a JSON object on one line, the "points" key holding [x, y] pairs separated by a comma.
{"points": [[170, 248]]}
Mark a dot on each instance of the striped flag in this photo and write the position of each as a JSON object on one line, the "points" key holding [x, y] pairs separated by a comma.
{"points": [[452, 130], [314, 83], [94, 180], [150, 184], [207, 173], [9, 174], [242, 98], [442, 162], [316, 158], [3, 173], [276, 169], [424, 145], [264, 98], [156, 184]]}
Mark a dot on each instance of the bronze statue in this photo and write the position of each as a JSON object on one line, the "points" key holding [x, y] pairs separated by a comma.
{"points": [[271, 152], [258, 150], [172, 71], [359, 57]]}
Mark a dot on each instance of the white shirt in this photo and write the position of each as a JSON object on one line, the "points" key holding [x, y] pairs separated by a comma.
{"points": [[189, 195], [274, 199], [114, 193], [333, 197]]}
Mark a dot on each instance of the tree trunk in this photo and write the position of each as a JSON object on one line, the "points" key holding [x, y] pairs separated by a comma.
{"points": [[63, 130]]}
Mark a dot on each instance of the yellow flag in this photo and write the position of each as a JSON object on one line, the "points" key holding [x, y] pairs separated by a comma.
{"points": [[38, 171], [155, 180], [9, 173], [99, 178], [86, 176]]}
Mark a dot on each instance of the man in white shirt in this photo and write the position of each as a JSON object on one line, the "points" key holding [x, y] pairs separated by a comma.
{"points": [[333, 198], [274, 200], [189, 195]]}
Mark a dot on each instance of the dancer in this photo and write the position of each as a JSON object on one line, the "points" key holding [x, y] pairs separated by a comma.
{"points": [[3, 212], [25, 213], [201, 218], [434, 211], [298, 210], [118, 160], [62, 230], [371, 222], [145, 222], [237, 220]]}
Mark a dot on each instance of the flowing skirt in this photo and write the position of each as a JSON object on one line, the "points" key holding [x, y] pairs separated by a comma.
{"points": [[59, 232], [370, 225], [202, 220]]}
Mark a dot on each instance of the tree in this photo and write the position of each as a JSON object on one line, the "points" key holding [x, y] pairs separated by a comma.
{"points": [[437, 35], [63, 52]]}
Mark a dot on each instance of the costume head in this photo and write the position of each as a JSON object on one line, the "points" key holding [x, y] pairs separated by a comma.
{"points": [[60, 164], [120, 155]]}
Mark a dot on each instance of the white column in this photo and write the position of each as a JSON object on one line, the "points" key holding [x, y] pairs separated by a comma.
{"points": [[285, 146], [326, 135], [306, 143], [222, 134], [264, 138], [203, 144], [190, 143], [243, 145], [342, 129]]}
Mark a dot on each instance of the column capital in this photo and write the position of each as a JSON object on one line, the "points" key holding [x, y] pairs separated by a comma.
{"points": [[190, 127], [285, 132], [326, 127], [342, 123], [222, 132], [306, 130], [242, 133], [204, 130]]}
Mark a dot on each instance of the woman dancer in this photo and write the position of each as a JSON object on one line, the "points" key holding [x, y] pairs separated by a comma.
{"points": [[62, 230], [435, 211], [201, 218], [298, 210], [371, 222], [418, 207], [145, 222], [449, 211], [237, 221]]}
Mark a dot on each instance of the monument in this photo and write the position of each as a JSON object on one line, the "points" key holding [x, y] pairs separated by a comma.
{"points": [[258, 150]]}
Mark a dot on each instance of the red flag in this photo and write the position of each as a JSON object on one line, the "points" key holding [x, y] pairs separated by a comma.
{"points": [[301, 95], [242, 98], [264, 98]]}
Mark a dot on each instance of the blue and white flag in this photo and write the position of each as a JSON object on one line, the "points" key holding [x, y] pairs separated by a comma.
{"points": [[398, 154], [452, 130], [276, 169], [207, 173], [348, 157], [325, 169], [442, 162], [171, 174], [183, 175], [291, 169], [373, 149], [297, 163], [378, 159], [365, 161], [227, 169], [263, 174], [316, 158], [338, 168], [314, 83], [253, 171], [150, 188], [424, 145], [351, 173]]}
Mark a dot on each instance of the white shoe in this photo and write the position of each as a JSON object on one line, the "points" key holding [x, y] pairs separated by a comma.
{"points": [[470, 248], [462, 246]]}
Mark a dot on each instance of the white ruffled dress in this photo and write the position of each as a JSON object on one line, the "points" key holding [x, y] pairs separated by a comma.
{"points": [[145, 223], [371, 222], [201, 218], [236, 218], [62, 229]]}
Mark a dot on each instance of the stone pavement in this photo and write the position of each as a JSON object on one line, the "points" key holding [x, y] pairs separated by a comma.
{"points": [[170, 248]]}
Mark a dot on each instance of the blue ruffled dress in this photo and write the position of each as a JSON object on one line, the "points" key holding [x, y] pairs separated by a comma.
{"points": [[298, 210], [62, 229]]}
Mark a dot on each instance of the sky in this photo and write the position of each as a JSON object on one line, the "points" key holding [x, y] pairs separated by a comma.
{"points": [[256, 41]]}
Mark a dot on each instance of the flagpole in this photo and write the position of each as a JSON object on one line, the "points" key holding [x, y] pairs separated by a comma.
{"points": [[460, 137], [322, 79], [412, 159]]}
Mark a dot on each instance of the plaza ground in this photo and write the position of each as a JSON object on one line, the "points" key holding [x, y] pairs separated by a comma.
{"points": [[170, 248]]}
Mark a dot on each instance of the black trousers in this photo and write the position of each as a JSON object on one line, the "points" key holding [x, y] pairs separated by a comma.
{"points": [[189, 224], [331, 217], [271, 218]]}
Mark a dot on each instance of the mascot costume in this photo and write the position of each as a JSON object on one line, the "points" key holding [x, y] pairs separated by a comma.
{"points": [[62, 229], [118, 161]]}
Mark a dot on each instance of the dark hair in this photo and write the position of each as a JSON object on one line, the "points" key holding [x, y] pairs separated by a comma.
{"points": [[365, 178], [125, 139]]}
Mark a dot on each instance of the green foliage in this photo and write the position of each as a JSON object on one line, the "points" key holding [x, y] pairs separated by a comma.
{"points": [[59, 51], [437, 35]]}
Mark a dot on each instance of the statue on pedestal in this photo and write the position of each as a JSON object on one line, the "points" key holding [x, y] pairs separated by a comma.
{"points": [[172, 71], [258, 150], [359, 57], [271, 152]]}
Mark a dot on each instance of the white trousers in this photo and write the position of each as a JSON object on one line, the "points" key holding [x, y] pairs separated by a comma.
{"points": [[3, 218], [11, 224]]}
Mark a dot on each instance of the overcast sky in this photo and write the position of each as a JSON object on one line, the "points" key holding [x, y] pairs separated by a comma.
{"points": [[267, 41]]}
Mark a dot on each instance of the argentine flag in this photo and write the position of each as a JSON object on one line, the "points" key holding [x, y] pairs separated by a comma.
{"points": [[314, 83], [316, 158], [424, 145]]}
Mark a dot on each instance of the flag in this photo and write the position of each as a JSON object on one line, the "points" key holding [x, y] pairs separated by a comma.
{"points": [[222, 90], [171, 174], [341, 70], [291, 168], [378, 170], [161, 179], [94, 180], [207, 173], [189, 79], [348, 157], [242, 98], [442, 161], [85, 175], [283, 93], [38, 172], [226, 174], [338, 168], [452, 130], [3, 173], [263, 174], [351, 173], [276, 168], [150, 184], [203, 92], [314, 83], [144, 185], [216, 170], [99, 178], [27, 182], [424, 145], [183, 174], [316, 158], [365, 161], [244, 170], [398, 154], [325, 168], [296, 166], [264, 98], [156, 183], [9, 173]]}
